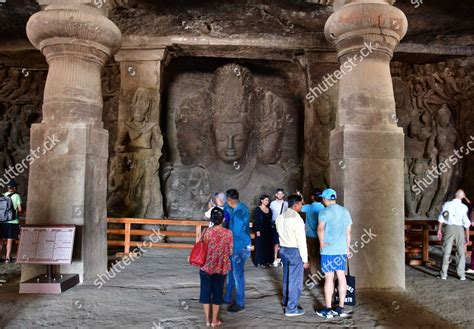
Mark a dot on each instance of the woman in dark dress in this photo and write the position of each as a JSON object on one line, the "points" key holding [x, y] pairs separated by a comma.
{"points": [[262, 227]]}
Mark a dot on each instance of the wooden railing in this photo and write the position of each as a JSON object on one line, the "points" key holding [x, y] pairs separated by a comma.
{"points": [[419, 236], [128, 232]]}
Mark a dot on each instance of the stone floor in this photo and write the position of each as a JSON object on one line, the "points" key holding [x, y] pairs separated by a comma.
{"points": [[161, 290]]}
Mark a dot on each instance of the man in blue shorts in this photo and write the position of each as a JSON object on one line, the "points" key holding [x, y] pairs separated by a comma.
{"points": [[312, 211], [334, 232]]}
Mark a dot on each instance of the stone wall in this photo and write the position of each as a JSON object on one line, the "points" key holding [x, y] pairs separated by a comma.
{"points": [[434, 106]]}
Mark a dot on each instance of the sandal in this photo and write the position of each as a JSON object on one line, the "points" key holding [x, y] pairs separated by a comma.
{"points": [[218, 324]]}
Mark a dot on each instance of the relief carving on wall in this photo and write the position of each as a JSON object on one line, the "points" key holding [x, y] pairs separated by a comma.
{"points": [[134, 183], [230, 136], [319, 121], [21, 96], [431, 104]]}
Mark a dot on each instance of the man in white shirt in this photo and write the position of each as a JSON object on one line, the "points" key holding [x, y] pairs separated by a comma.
{"points": [[278, 207], [454, 215], [294, 254]]}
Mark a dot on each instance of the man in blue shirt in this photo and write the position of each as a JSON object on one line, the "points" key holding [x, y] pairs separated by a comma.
{"points": [[312, 210], [239, 225], [334, 232]]}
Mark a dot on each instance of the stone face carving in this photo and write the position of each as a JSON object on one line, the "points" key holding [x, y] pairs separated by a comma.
{"points": [[192, 119], [139, 140], [234, 131]]}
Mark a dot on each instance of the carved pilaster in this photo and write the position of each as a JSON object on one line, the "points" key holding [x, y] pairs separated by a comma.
{"points": [[141, 73]]}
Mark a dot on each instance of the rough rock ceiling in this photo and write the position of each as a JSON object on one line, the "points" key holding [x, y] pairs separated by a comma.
{"points": [[13, 17], [436, 27]]}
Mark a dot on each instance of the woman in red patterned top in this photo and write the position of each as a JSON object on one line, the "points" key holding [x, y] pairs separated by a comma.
{"points": [[214, 271]]}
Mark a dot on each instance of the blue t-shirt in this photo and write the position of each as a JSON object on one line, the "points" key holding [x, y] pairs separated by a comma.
{"points": [[336, 219], [312, 210], [239, 225]]}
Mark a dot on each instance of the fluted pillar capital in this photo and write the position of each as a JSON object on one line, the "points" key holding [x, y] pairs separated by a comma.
{"points": [[73, 29], [357, 23]]}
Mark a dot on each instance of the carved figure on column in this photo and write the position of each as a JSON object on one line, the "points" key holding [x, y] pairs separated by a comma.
{"points": [[141, 140], [118, 187]]}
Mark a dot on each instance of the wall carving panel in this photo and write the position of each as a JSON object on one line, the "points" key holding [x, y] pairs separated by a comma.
{"points": [[232, 133], [235, 128], [21, 96], [434, 107]]}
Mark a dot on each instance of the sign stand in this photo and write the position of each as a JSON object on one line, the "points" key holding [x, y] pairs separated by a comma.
{"points": [[49, 246]]}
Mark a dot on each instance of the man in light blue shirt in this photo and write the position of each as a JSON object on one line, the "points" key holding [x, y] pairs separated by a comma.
{"points": [[334, 232], [312, 211]]}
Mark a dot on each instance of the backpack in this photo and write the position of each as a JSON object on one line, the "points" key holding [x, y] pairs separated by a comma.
{"points": [[7, 210]]}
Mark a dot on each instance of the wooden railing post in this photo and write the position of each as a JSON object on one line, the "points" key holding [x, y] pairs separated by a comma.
{"points": [[426, 243], [198, 232], [128, 227]]}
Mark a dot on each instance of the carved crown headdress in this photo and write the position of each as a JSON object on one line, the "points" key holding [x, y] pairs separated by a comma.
{"points": [[232, 94]]}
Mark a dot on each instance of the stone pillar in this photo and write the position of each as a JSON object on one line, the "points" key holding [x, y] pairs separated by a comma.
{"points": [[67, 184], [367, 145], [141, 72]]}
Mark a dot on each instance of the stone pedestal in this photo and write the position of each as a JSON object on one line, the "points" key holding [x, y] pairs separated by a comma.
{"points": [[67, 184], [367, 145]]}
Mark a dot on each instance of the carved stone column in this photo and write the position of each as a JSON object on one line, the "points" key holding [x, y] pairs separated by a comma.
{"points": [[319, 118], [367, 145], [141, 73], [67, 185]]}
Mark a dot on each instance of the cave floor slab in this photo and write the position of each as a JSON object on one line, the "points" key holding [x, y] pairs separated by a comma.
{"points": [[160, 290]]}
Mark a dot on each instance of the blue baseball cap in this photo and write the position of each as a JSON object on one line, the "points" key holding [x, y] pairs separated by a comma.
{"points": [[12, 183], [329, 194]]}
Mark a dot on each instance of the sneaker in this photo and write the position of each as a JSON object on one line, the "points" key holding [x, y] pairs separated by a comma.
{"points": [[470, 271], [462, 279], [340, 311], [296, 312], [325, 313], [276, 263], [441, 277], [235, 308]]}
